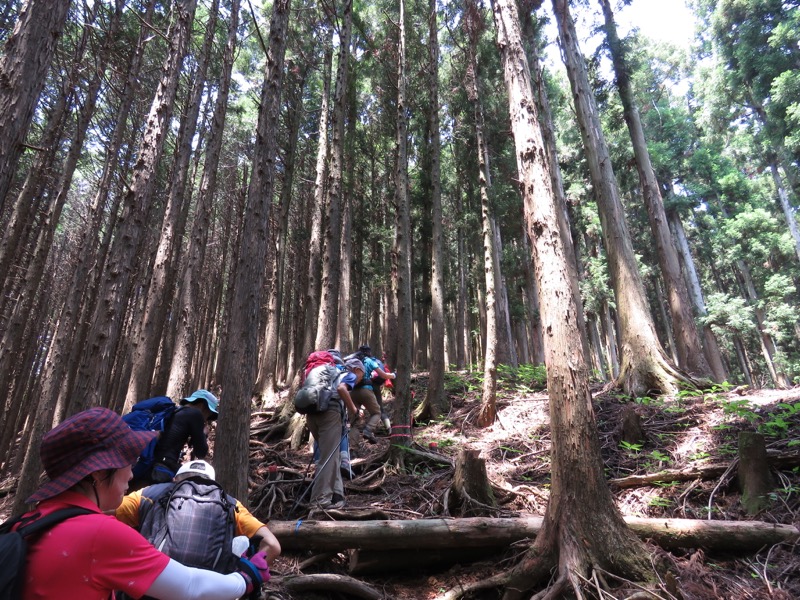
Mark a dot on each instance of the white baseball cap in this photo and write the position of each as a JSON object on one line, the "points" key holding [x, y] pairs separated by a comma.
{"points": [[196, 467]]}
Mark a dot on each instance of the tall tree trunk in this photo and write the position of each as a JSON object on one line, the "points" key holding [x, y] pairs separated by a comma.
{"points": [[50, 204], [506, 351], [767, 344], [240, 358], [275, 313], [529, 31], [473, 23], [162, 275], [329, 302], [92, 381], [67, 337], [318, 208], [663, 317], [461, 333], [42, 173], [687, 341], [710, 345], [350, 315], [344, 338], [26, 59], [435, 396], [582, 527], [532, 298], [786, 205], [181, 375], [645, 368], [401, 353]]}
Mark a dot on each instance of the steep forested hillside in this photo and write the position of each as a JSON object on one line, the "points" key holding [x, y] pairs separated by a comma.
{"points": [[200, 193]]}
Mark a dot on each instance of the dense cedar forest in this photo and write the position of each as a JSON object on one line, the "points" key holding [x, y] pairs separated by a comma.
{"points": [[198, 193]]}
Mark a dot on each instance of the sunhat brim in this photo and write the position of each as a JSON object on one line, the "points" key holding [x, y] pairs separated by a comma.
{"points": [[124, 454]]}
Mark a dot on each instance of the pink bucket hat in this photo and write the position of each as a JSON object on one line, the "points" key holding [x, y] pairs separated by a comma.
{"points": [[93, 440]]}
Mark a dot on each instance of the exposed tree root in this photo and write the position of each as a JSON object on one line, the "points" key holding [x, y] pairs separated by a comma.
{"points": [[460, 591], [647, 373], [330, 583], [558, 589], [316, 559]]}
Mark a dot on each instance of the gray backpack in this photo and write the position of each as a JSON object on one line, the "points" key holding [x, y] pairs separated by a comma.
{"points": [[192, 521], [317, 391]]}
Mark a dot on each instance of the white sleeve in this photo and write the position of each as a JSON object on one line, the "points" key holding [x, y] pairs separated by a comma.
{"points": [[178, 582]]}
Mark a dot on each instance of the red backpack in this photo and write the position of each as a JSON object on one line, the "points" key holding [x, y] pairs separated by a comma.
{"points": [[315, 359]]}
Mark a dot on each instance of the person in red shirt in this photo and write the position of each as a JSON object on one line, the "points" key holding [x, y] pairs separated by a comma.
{"points": [[88, 460]]}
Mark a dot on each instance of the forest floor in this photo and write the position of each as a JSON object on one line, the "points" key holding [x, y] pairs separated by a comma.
{"points": [[691, 431]]}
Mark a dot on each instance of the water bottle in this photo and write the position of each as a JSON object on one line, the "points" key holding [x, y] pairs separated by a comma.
{"points": [[240, 544]]}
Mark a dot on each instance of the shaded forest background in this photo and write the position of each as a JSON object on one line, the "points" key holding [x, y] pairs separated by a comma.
{"points": [[199, 193]]}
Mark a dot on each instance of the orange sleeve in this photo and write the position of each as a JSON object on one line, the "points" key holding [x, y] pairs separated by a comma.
{"points": [[128, 511], [246, 523]]}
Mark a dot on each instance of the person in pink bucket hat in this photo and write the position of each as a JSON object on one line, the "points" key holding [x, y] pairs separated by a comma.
{"points": [[88, 460]]}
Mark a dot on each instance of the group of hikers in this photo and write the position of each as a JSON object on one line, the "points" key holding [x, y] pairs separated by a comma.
{"points": [[176, 534], [359, 376]]}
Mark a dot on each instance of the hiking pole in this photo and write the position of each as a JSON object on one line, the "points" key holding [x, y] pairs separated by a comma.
{"points": [[316, 474]]}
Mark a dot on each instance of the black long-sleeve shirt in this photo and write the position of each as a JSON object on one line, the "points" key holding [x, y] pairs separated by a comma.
{"points": [[187, 427]]}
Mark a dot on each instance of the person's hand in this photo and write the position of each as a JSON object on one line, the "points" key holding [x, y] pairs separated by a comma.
{"points": [[252, 578], [259, 559]]}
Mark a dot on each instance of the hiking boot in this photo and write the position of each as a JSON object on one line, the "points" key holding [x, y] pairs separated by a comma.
{"points": [[368, 435], [336, 501]]}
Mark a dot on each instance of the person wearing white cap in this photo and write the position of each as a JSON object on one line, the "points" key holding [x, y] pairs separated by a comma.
{"points": [[140, 510]]}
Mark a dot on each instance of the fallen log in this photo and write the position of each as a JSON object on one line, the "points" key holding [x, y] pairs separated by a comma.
{"points": [[668, 476], [778, 460], [479, 532]]}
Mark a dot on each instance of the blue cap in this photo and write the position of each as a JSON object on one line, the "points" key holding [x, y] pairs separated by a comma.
{"points": [[211, 400]]}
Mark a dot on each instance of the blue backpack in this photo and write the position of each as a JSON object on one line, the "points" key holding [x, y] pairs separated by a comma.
{"points": [[152, 414]]}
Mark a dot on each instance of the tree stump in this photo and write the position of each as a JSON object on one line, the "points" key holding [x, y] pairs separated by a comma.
{"points": [[755, 480], [471, 489], [296, 431], [632, 429]]}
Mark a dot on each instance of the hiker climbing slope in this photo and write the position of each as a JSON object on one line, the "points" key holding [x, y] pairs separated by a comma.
{"points": [[187, 427]]}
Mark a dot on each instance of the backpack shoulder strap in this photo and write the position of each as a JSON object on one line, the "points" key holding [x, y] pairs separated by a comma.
{"points": [[44, 523]]}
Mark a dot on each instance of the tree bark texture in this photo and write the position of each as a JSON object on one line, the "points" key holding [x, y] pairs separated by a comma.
{"points": [[435, 396], [401, 258], [529, 26], [471, 485], [710, 345], [163, 274], [181, 377], [240, 358], [329, 302], [93, 378], [755, 480], [318, 210], [276, 313], [582, 526], [689, 349], [23, 67], [644, 366], [473, 23]]}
